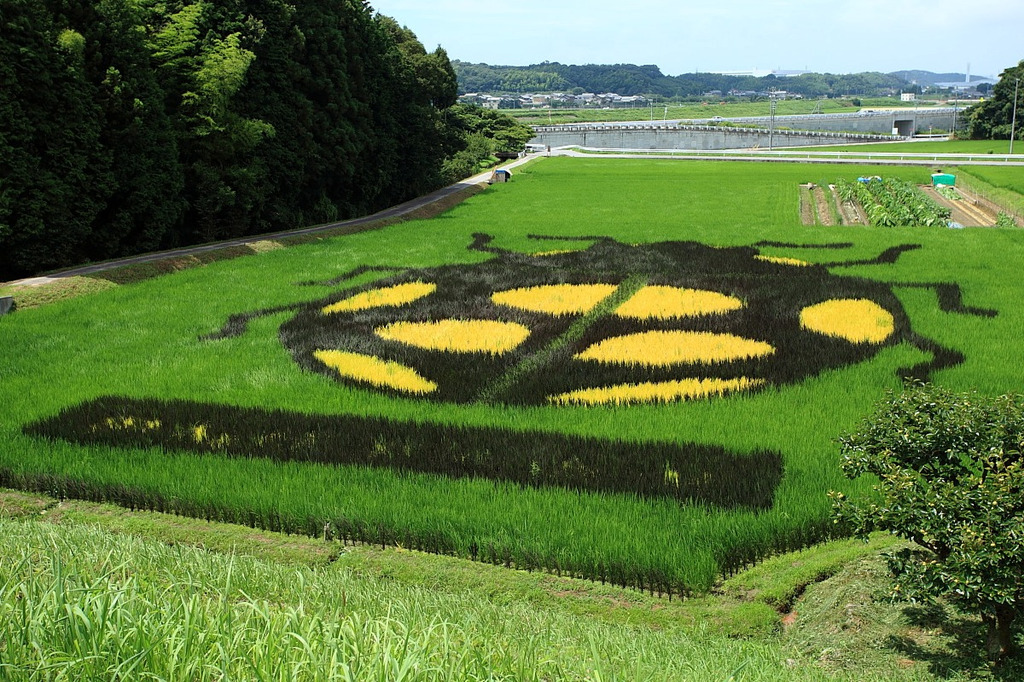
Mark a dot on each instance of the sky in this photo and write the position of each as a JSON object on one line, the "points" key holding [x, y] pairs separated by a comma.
{"points": [[683, 36]]}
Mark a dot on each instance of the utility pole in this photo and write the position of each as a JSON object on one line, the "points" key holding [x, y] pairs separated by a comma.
{"points": [[1013, 122], [956, 102], [771, 110]]}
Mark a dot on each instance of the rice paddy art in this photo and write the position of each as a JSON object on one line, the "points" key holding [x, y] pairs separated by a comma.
{"points": [[374, 371], [611, 323], [608, 325], [664, 302], [700, 473], [661, 348], [382, 297], [607, 331], [857, 320]]}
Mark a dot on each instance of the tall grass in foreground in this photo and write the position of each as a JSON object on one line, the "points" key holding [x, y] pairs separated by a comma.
{"points": [[77, 603]]}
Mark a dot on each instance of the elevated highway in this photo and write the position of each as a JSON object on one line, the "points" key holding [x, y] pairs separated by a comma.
{"points": [[750, 132]]}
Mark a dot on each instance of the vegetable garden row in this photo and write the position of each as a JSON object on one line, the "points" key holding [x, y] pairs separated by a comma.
{"points": [[890, 201]]}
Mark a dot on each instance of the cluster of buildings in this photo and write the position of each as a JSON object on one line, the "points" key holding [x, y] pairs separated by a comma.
{"points": [[608, 100]]}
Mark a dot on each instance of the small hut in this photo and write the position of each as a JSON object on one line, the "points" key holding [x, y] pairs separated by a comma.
{"points": [[500, 175]]}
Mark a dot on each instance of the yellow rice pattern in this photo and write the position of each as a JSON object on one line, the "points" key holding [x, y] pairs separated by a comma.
{"points": [[555, 299], [459, 336], [555, 252], [130, 423], [393, 297], [662, 302], [782, 260], [856, 320], [375, 371], [662, 348], [652, 392]]}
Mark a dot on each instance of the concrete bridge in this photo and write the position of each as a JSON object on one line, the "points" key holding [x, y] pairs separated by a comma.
{"points": [[904, 121], [750, 132]]}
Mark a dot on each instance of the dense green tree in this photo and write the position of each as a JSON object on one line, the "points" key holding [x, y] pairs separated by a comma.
{"points": [[128, 125], [202, 53], [479, 134], [991, 119], [52, 166], [950, 472], [143, 179]]}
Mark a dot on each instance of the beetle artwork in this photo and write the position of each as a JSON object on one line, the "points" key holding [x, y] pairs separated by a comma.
{"points": [[608, 324]]}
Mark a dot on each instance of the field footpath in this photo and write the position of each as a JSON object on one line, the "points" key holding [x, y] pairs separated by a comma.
{"points": [[365, 222]]}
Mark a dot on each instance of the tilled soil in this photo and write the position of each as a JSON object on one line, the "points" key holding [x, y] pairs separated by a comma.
{"points": [[850, 213], [806, 207], [821, 202], [964, 211]]}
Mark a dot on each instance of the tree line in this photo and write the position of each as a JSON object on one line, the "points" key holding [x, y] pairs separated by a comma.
{"points": [[133, 125], [630, 79], [993, 118]]}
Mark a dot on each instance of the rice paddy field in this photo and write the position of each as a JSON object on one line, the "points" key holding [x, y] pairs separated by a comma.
{"points": [[629, 371]]}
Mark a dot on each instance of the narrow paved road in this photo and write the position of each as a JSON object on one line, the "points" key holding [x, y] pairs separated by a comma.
{"points": [[393, 212]]}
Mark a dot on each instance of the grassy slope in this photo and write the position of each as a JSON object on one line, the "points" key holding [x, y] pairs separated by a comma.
{"points": [[962, 147], [143, 341], [110, 589]]}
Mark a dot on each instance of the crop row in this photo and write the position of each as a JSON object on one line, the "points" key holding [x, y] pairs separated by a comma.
{"points": [[889, 202]]}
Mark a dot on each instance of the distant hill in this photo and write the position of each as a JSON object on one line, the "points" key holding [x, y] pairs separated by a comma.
{"points": [[631, 79], [924, 78]]}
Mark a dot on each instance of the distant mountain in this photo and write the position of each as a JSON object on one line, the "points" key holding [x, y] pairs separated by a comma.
{"points": [[924, 78]]}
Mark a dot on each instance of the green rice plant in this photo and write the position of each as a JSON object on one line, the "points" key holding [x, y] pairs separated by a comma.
{"points": [[953, 304], [693, 473], [999, 184], [80, 603]]}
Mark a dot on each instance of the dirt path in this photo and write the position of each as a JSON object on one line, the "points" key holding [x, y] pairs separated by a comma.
{"points": [[806, 205], [963, 210], [821, 203], [849, 213]]}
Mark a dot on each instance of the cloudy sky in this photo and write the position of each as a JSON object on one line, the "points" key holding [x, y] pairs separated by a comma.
{"points": [[683, 36]]}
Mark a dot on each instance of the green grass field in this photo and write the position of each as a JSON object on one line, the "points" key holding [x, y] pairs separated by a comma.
{"points": [[94, 592], [147, 341], [959, 147]]}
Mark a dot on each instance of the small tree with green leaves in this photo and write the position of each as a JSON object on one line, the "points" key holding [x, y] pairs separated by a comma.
{"points": [[950, 476]]}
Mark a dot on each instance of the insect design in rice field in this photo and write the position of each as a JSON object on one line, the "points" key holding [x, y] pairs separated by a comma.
{"points": [[610, 323]]}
